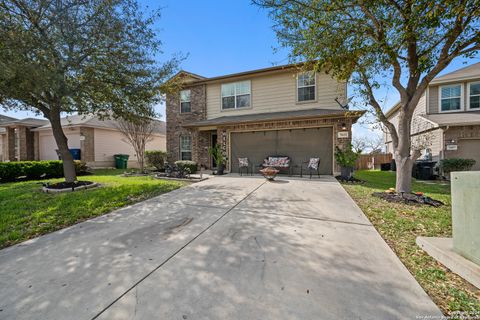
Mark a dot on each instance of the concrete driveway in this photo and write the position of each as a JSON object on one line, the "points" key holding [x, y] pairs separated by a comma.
{"points": [[227, 248]]}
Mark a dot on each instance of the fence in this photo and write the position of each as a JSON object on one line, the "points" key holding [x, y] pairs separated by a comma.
{"points": [[372, 161]]}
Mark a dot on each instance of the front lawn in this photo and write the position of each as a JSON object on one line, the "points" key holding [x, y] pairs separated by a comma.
{"points": [[27, 212], [400, 224]]}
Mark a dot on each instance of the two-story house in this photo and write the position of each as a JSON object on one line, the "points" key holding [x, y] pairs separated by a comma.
{"points": [[260, 113], [447, 118]]}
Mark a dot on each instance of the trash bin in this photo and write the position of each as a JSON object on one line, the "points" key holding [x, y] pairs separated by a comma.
{"points": [[424, 170], [385, 166], [121, 161], [76, 154]]}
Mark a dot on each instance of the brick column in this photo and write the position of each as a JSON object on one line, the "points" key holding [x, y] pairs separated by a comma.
{"points": [[10, 144], [87, 145], [36, 146], [25, 145]]}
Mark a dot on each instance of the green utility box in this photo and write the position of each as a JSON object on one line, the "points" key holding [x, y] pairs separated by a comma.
{"points": [[121, 161], [466, 214]]}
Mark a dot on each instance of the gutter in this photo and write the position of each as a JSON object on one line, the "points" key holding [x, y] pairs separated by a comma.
{"points": [[358, 114]]}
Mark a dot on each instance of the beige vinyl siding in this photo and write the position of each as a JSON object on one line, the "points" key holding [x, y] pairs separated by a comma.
{"points": [[432, 140], [277, 92], [388, 137], [419, 124], [111, 142], [433, 99], [47, 144]]}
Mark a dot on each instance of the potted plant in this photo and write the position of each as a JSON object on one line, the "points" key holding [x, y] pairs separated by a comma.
{"points": [[346, 159], [219, 158]]}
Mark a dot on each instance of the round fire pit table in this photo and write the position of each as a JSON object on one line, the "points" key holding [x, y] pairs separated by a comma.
{"points": [[269, 173]]}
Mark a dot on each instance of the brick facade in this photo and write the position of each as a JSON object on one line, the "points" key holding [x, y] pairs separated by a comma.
{"points": [[337, 124], [87, 144], [9, 144], [176, 120], [454, 134], [26, 144]]}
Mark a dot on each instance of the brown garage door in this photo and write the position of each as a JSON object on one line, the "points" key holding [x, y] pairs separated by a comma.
{"points": [[470, 149], [298, 144]]}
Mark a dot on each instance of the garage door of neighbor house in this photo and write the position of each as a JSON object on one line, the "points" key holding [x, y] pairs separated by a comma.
{"points": [[470, 149], [298, 144]]}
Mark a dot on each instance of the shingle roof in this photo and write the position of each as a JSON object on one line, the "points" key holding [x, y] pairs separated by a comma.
{"points": [[471, 71], [258, 117], [96, 122], [452, 119], [28, 122], [6, 118]]}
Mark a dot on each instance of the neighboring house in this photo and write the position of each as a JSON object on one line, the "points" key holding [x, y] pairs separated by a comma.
{"points": [[447, 117], [98, 140], [259, 113]]}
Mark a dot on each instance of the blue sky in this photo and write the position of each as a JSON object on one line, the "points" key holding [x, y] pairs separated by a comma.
{"points": [[227, 36]]}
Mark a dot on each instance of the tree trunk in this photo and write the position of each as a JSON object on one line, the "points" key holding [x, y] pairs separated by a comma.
{"points": [[403, 183], [62, 145], [403, 157]]}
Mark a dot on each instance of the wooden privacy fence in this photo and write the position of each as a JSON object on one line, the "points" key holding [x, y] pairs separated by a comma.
{"points": [[372, 161]]}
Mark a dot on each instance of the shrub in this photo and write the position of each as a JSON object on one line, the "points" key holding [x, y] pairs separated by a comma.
{"points": [[191, 166], [34, 170], [156, 158], [81, 168], [456, 164], [347, 157]]}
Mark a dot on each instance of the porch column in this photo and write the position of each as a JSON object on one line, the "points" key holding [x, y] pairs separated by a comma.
{"points": [[87, 144], [10, 144], [25, 143], [36, 146]]}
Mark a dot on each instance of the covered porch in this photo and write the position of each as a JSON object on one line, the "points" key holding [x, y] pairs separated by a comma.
{"points": [[298, 135]]}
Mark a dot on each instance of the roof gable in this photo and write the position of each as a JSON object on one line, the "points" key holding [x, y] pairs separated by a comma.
{"points": [[468, 72]]}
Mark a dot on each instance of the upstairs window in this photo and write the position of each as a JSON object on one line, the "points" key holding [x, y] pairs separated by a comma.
{"points": [[236, 95], [185, 101], [474, 95], [185, 148], [306, 85], [451, 98]]}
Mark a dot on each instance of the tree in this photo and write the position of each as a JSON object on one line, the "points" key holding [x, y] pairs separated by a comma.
{"points": [[371, 144], [138, 132], [79, 56], [406, 41]]}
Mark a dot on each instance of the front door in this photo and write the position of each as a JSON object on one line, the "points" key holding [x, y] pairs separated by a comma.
{"points": [[214, 142]]}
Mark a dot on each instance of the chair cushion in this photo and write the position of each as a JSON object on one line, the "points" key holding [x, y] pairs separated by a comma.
{"points": [[243, 162], [313, 163], [278, 161]]}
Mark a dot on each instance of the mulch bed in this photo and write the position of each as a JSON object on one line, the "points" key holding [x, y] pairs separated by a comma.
{"points": [[408, 198], [350, 180], [67, 185]]}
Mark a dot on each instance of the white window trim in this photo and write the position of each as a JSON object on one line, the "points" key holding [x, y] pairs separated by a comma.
{"points": [[189, 100], [314, 85], [235, 95], [183, 150], [468, 96], [462, 105]]}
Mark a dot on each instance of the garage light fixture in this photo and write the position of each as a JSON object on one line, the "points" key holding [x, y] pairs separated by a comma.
{"points": [[344, 126]]}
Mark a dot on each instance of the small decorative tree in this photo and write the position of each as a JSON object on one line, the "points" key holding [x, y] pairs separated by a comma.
{"points": [[138, 133], [219, 158], [346, 159], [156, 158]]}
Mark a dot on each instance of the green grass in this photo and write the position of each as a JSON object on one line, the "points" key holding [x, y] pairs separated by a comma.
{"points": [[27, 212], [400, 224]]}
